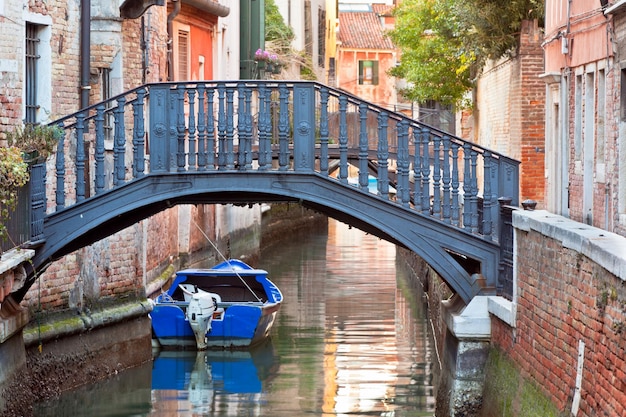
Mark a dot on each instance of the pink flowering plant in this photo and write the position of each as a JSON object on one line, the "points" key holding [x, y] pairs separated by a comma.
{"points": [[261, 55]]}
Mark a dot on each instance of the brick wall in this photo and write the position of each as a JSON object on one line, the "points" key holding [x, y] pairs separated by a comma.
{"points": [[532, 114], [509, 114], [564, 297]]}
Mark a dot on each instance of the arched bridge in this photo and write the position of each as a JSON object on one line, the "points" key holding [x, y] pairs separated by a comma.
{"points": [[164, 144]]}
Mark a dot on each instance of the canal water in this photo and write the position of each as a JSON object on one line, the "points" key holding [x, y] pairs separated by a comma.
{"points": [[351, 339]]}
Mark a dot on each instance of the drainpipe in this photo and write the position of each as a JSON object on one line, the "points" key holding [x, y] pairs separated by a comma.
{"points": [[85, 47], [170, 39]]}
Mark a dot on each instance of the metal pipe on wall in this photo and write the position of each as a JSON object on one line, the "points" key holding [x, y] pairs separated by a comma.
{"points": [[85, 51]]}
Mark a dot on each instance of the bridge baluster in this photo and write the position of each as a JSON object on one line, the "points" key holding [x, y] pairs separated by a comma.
{"points": [[241, 128], [474, 198], [119, 143], [191, 129], [324, 131], [446, 179], [487, 197], [221, 126], [99, 156], [37, 201], [383, 156], [455, 185], [139, 134], [417, 168], [80, 157], [283, 128], [425, 171], [60, 170], [230, 129], [363, 148], [264, 128], [467, 186], [201, 128], [248, 126], [180, 128], [403, 163], [210, 145], [343, 139], [436, 210]]}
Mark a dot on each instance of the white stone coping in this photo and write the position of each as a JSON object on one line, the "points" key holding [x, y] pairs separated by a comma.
{"points": [[503, 309], [469, 321], [12, 258], [605, 248]]}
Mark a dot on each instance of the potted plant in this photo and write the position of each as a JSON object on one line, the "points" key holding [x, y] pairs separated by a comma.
{"points": [[36, 141], [13, 175]]}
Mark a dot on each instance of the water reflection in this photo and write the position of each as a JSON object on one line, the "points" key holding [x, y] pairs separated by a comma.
{"points": [[351, 339], [200, 383]]}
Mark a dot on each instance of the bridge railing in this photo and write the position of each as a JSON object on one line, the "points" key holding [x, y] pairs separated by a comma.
{"points": [[282, 126]]}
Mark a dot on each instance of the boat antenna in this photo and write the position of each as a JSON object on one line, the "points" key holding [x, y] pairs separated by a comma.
{"points": [[227, 261]]}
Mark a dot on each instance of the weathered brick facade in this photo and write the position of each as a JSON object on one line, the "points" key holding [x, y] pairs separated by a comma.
{"points": [[509, 114], [135, 50], [566, 299]]}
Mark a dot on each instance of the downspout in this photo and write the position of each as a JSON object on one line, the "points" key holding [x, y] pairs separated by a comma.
{"points": [[170, 39], [85, 51]]}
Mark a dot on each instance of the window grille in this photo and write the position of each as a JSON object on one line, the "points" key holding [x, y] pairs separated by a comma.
{"points": [[30, 80]]}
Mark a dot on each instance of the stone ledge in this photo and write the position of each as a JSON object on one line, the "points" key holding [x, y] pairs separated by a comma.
{"points": [[469, 321], [503, 309], [605, 248], [14, 257]]}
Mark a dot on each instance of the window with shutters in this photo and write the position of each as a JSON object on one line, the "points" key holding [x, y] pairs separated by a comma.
{"points": [[182, 53]]}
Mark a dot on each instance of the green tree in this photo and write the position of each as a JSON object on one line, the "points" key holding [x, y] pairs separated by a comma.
{"points": [[445, 43], [277, 32]]}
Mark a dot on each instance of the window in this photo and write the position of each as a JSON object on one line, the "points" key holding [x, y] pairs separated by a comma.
{"points": [[321, 38], [182, 53], [31, 72], [622, 95], [578, 117], [437, 115], [368, 72], [621, 163], [105, 94]]}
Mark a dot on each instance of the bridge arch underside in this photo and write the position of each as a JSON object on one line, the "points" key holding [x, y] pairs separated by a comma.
{"points": [[466, 262]]}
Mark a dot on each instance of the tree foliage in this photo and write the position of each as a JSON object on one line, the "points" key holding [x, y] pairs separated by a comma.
{"points": [[277, 32], [445, 43]]}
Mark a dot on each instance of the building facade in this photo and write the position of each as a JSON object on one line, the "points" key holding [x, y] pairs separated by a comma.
{"points": [[585, 137], [365, 55], [57, 57]]}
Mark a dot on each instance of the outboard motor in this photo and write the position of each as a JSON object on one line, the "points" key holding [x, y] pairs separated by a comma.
{"points": [[200, 313]]}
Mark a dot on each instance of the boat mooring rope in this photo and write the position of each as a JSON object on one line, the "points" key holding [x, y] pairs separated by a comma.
{"points": [[227, 261]]}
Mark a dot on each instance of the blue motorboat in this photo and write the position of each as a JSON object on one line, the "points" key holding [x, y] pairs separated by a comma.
{"points": [[231, 305]]}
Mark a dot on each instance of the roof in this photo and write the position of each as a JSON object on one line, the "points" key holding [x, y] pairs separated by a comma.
{"points": [[382, 9], [362, 30]]}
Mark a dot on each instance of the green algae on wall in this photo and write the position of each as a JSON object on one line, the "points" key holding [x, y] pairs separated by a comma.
{"points": [[508, 394]]}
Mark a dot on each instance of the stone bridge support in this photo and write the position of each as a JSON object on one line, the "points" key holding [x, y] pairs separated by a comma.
{"points": [[13, 318]]}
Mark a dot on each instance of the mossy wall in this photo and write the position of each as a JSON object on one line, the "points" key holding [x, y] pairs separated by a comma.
{"points": [[508, 394]]}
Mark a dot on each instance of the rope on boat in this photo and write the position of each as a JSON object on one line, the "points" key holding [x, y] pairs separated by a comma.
{"points": [[227, 261]]}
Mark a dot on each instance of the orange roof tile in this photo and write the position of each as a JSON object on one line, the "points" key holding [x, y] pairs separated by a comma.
{"points": [[362, 30]]}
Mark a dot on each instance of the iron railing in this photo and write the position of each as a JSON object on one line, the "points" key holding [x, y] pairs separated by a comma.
{"points": [[269, 125]]}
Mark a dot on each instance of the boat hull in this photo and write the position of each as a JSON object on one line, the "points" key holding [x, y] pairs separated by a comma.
{"points": [[241, 326], [245, 306]]}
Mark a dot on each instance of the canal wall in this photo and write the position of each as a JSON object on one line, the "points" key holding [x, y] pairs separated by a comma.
{"points": [[558, 348], [567, 334]]}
